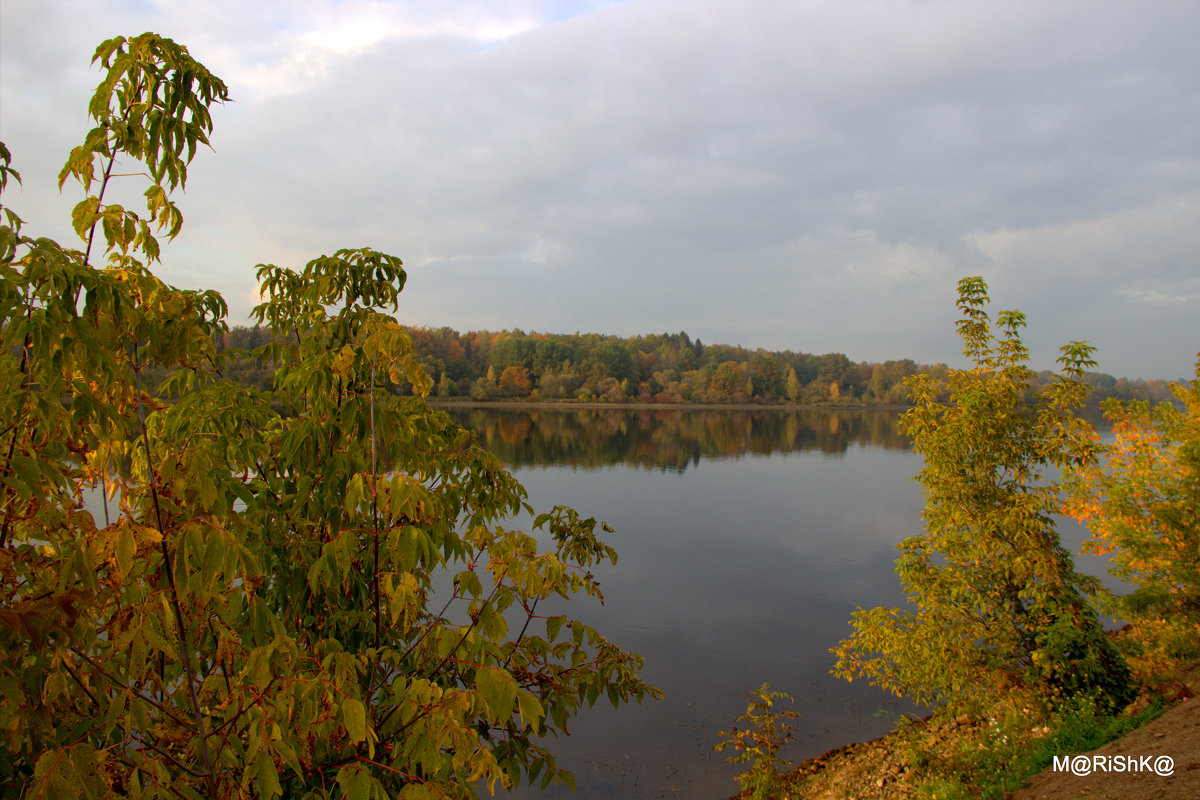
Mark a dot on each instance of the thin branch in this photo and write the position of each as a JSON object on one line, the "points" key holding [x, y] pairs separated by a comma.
{"points": [[253, 703], [424, 633], [87, 256], [134, 767], [528, 618], [161, 707], [86, 690], [185, 645], [375, 512], [12, 443], [139, 736]]}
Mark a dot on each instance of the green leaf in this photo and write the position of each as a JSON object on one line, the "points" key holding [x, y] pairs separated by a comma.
{"points": [[259, 668], [498, 690], [340, 548], [157, 640], [530, 708], [355, 490], [116, 710], [355, 782], [29, 473], [268, 777], [124, 549], [418, 791], [214, 554], [354, 716], [319, 574], [468, 584]]}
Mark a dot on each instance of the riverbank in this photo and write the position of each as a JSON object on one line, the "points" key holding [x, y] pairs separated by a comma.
{"points": [[571, 405], [1006, 756]]}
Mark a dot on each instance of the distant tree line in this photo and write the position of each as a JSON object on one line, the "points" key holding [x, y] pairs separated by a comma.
{"points": [[667, 368]]}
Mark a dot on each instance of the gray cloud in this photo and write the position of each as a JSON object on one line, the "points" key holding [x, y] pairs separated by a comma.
{"points": [[811, 176]]}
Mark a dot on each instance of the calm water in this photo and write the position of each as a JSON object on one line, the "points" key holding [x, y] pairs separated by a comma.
{"points": [[746, 540]]}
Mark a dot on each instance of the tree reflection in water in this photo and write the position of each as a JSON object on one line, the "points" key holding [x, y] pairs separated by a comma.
{"points": [[671, 439]]}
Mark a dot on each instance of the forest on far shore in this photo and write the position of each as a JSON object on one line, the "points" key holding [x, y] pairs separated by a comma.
{"points": [[667, 368]]}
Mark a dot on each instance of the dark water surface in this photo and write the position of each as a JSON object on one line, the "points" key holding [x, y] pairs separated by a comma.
{"points": [[746, 539]]}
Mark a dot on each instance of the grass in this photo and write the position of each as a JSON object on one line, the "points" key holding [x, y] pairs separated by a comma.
{"points": [[1001, 755], [987, 756]]}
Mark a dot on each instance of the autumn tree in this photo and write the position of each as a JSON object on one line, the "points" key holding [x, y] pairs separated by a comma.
{"points": [[550, 355], [792, 386], [560, 385], [308, 592], [729, 381], [996, 602], [616, 358], [1142, 505], [513, 349], [514, 381], [765, 377]]}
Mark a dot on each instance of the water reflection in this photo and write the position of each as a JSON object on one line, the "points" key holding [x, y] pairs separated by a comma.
{"points": [[672, 439], [746, 540]]}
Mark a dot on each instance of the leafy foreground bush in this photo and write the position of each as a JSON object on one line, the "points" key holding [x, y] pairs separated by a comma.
{"points": [[300, 593], [996, 602]]}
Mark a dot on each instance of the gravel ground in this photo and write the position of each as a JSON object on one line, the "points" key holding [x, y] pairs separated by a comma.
{"points": [[877, 770]]}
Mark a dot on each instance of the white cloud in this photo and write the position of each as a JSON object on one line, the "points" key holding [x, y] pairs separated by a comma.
{"points": [[308, 45], [1159, 297], [1153, 244], [544, 252]]}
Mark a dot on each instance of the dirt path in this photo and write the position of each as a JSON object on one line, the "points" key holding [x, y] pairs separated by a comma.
{"points": [[1176, 735]]}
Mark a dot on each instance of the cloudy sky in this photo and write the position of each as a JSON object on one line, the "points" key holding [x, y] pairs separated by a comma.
{"points": [[810, 176]]}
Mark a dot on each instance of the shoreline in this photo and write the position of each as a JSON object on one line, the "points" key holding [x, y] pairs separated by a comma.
{"points": [[882, 768], [598, 405]]}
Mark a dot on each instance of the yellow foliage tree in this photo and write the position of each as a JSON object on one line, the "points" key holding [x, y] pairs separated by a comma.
{"points": [[1142, 505], [252, 615], [995, 601]]}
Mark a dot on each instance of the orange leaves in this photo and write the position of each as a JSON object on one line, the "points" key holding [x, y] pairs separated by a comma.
{"points": [[515, 380], [1142, 505]]}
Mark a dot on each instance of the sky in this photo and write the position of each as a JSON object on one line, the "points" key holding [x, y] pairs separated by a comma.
{"points": [[809, 176]]}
